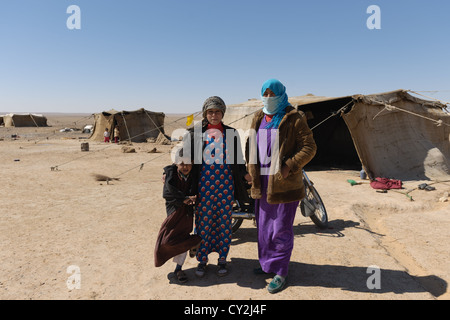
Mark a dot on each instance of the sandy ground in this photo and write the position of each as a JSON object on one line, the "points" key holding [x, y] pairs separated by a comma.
{"points": [[61, 225]]}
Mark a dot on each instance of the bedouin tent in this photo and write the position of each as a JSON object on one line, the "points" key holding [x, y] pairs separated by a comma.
{"points": [[24, 120], [391, 135], [134, 126]]}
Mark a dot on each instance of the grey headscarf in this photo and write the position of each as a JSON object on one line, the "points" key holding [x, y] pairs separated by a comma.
{"points": [[214, 103]]}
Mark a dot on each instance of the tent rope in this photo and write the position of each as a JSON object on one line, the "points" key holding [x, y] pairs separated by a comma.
{"points": [[56, 168], [160, 131], [333, 114], [440, 101], [141, 166], [86, 117], [389, 107], [126, 127], [161, 126], [247, 115]]}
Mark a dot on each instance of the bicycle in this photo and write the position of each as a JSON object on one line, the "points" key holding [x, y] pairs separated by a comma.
{"points": [[311, 206]]}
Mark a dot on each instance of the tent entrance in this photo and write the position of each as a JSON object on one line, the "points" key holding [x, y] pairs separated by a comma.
{"points": [[335, 148]]}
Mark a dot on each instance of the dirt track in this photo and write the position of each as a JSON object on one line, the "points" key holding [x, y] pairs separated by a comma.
{"points": [[50, 220]]}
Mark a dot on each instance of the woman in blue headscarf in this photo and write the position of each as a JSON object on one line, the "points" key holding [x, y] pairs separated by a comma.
{"points": [[275, 99], [285, 145]]}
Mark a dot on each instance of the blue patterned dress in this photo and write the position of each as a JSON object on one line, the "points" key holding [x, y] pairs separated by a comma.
{"points": [[216, 195]]}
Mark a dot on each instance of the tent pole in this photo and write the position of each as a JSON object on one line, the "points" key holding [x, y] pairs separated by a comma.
{"points": [[33, 120], [124, 121]]}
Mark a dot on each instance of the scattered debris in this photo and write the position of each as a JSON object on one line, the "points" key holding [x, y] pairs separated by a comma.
{"points": [[69, 129], [354, 183], [383, 187], [101, 177], [163, 139], [444, 198], [385, 183], [85, 146], [426, 187], [127, 149], [406, 194], [88, 129]]}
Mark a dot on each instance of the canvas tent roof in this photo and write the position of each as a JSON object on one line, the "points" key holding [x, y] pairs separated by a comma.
{"points": [[135, 126], [390, 134], [23, 120]]}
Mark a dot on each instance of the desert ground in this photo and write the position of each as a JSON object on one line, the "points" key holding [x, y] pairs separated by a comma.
{"points": [[61, 225]]}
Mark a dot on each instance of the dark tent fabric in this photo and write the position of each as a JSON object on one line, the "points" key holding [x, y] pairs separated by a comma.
{"points": [[334, 141], [134, 126], [24, 120]]}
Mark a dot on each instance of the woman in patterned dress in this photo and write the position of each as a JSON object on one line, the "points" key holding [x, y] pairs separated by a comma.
{"points": [[221, 182]]}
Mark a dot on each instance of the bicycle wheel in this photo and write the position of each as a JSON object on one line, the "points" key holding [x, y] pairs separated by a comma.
{"points": [[312, 206], [235, 224]]}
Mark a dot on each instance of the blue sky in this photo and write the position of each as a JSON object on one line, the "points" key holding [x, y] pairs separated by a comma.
{"points": [[170, 55]]}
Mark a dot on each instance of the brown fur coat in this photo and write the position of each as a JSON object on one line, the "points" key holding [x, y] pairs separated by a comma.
{"points": [[296, 148]]}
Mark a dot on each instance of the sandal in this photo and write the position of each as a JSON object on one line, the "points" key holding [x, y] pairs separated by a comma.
{"points": [[422, 186], [181, 276], [426, 187]]}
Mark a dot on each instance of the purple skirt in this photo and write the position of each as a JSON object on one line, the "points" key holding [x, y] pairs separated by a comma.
{"points": [[274, 221]]}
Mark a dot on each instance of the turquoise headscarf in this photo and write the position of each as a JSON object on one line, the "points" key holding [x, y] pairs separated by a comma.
{"points": [[282, 101]]}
